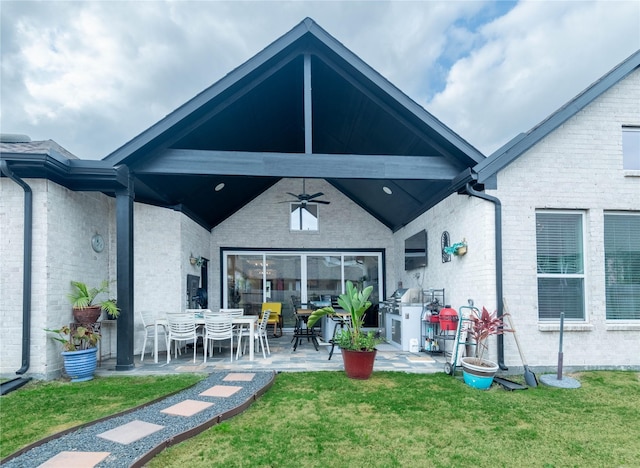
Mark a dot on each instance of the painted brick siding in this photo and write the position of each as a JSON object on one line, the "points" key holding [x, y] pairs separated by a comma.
{"points": [[471, 276], [264, 223], [163, 242], [63, 224], [577, 167]]}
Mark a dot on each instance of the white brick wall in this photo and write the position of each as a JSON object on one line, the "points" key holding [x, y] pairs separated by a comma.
{"points": [[578, 166], [265, 223], [63, 224]]}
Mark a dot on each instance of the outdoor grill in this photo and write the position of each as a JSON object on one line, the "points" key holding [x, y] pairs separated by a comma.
{"points": [[400, 296]]}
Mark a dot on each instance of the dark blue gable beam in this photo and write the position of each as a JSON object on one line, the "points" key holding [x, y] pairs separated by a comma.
{"points": [[323, 166]]}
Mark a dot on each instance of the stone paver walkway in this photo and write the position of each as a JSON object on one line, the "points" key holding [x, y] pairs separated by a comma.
{"points": [[132, 439]]}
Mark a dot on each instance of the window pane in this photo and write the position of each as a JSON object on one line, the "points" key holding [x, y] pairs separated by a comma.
{"points": [[283, 280], [557, 295], [631, 148], [244, 281], [324, 275], [304, 217], [362, 271], [560, 265], [622, 265], [559, 243]]}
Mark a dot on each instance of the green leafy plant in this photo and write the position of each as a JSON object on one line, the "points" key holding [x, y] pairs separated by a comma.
{"points": [[76, 340], [82, 297], [355, 303], [483, 325]]}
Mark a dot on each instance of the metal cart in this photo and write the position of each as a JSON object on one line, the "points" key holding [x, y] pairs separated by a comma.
{"points": [[433, 301], [460, 339]]}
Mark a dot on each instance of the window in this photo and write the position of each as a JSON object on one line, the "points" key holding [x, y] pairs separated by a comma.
{"points": [[622, 265], [304, 217], [631, 148], [253, 277], [560, 260]]}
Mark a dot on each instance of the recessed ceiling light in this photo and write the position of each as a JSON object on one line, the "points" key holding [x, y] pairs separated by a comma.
{"points": [[387, 190], [219, 187]]}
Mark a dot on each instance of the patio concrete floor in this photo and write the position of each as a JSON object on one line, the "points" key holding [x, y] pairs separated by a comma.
{"points": [[282, 359]]}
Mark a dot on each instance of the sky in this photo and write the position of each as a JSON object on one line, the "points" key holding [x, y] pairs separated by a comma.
{"points": [[92, 75]]}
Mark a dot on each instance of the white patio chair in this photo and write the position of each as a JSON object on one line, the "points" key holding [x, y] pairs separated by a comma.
{"points": [[235, 313], [260, 335], [218, 327], [182, 328], [148, 320]]}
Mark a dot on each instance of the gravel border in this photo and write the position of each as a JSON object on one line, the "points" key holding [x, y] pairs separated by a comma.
{"points": [[176, 428]]}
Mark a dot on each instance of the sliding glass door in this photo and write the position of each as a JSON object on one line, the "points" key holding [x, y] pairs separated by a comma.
{"points": [[254, 277]]}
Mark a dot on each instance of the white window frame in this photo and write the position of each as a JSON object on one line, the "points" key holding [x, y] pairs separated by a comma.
{"points": [[631, 148], [582, 276]]}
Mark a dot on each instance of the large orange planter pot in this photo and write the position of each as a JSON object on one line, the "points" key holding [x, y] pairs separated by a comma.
{"points": [[358, 364]]}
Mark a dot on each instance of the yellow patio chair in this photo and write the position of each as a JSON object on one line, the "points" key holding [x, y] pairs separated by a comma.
{"points": [[275, 317]]}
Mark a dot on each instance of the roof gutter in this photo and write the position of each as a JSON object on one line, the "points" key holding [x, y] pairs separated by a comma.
{"points": [[26, 269], [498, 245]]}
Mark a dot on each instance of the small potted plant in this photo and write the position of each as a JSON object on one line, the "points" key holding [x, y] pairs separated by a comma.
{"points": [[86, 309], [477, 371], [79, 345], [357, 346]]}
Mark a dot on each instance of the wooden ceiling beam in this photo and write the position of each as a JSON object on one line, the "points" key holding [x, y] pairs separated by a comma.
{"points": [[323, 166]]}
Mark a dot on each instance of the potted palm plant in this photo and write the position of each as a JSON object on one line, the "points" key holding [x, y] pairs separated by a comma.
{"points": [[357, 346], [477, 371], [85, 307], [79, 345]]}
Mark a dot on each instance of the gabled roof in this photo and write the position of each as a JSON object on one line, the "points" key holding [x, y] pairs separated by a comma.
{"points": [[524, 141], [305, 106]]}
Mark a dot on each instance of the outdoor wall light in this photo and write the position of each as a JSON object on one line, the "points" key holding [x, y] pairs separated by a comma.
{"points": [[199, 261]]}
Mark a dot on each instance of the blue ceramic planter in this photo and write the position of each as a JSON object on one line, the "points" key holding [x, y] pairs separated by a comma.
{"points": [[80, 365], [476, 381]]}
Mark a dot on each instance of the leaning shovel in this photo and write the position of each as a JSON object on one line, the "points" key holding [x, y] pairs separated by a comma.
{"points": [[529, 376]]}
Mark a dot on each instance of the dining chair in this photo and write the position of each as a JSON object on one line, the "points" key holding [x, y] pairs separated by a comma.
{"points": [[148, 320], [275, 318], [342, 322], [218, 327], [237, 328], [198, 313], [182, 327], [260, 335]]}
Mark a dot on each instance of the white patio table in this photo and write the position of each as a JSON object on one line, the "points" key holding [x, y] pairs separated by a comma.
{"points": [[249, 320]]}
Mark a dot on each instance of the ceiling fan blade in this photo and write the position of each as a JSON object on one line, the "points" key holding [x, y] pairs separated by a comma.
{"points": [[293, 195], [319, 194], [321, 201]]}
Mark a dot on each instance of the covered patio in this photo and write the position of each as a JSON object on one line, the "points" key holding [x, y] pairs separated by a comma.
{"points": [[222, 174], [282, 359]]}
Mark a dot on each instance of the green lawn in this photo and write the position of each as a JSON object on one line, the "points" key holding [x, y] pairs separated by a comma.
{"points": [[323, 419], [40, 409]]}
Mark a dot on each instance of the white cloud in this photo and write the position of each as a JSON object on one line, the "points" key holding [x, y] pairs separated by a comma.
{"points": [[93, 75], [534, 59]]}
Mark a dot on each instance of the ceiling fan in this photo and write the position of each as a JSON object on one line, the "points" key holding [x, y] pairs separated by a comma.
{"points": [[304, 197]]}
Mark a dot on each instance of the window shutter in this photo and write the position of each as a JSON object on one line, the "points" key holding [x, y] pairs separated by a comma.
{"points": [[622, 266]]}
